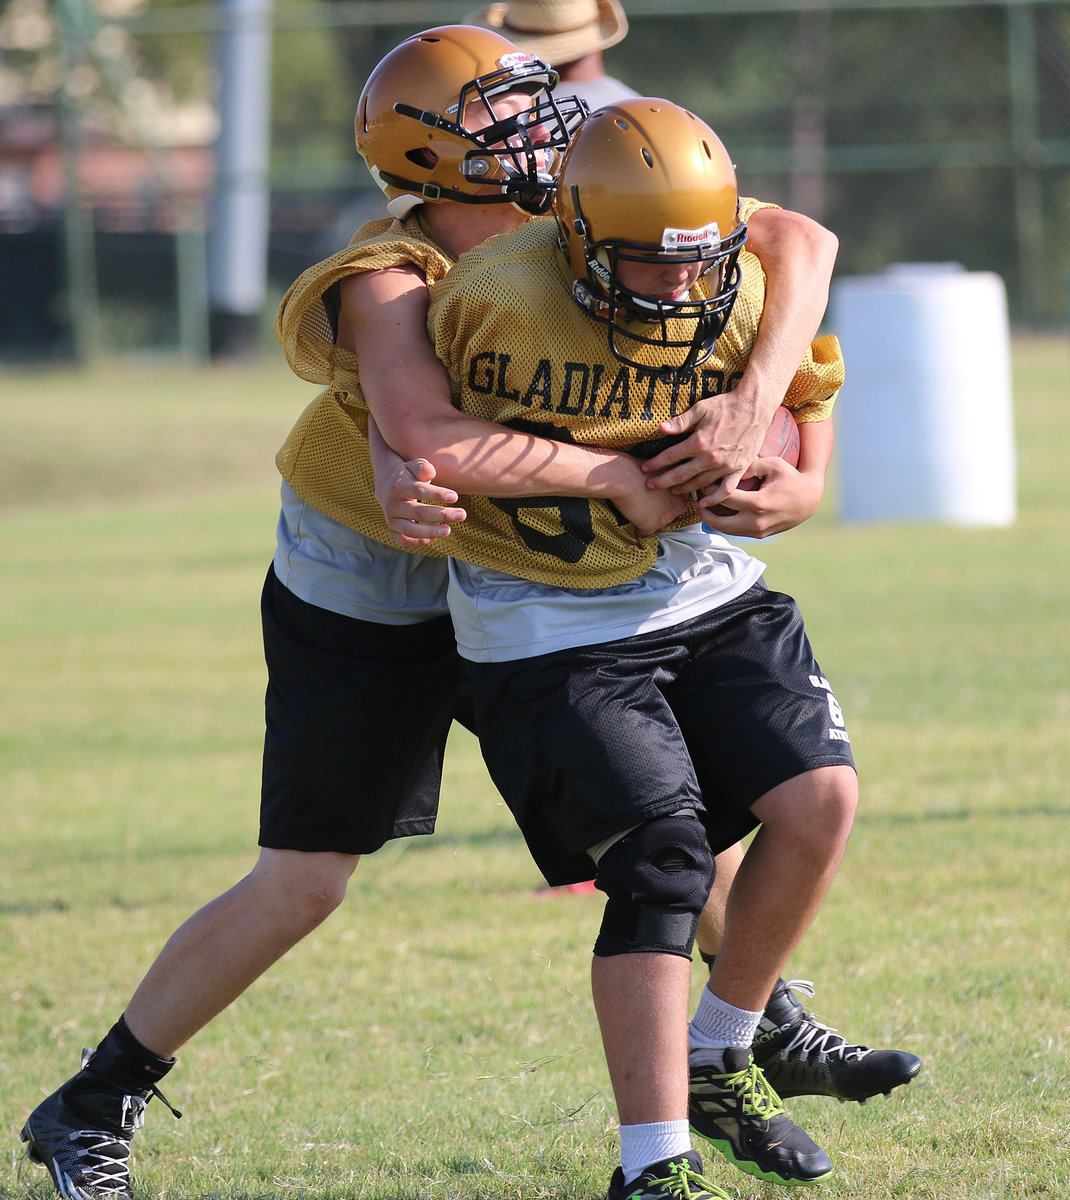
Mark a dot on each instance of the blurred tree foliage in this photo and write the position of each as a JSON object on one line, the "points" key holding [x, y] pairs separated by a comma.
{"points": [[917, 133]]}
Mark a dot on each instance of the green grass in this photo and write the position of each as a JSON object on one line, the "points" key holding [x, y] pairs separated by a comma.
{"points": [[435, 1037]]}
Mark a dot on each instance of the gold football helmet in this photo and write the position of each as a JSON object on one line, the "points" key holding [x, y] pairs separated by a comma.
{"points": [[427, 128], [645, 181]]}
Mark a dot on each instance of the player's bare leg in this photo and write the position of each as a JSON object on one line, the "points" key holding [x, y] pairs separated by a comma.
{"points": [[82, 1132], [642, 1001], [777, 890], [782, 880], [224, 947], [711, 921], [799, 1054]]}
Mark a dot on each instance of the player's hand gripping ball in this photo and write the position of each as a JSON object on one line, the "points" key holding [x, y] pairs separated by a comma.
{"points": [[781, 441]]}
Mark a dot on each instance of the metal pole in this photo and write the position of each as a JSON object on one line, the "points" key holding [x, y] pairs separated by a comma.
{"points": [[81, 300], [1028, 208], [191, 269], [238, 238]]}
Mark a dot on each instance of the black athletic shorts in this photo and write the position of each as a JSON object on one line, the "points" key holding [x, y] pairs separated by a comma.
{"points": [[357, 717], [710, 714]]}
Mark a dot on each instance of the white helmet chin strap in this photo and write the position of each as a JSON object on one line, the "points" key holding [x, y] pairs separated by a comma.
{"points": [[401, 206]]}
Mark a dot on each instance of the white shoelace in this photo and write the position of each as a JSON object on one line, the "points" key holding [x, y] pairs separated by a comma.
{"points": [[813, 1035]]}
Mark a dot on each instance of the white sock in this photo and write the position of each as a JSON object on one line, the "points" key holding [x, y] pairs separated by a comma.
{"points": [[717, 1025], [642, 1145]]}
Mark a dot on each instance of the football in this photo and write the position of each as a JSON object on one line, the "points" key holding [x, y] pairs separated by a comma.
{"points": [[781, 441]]}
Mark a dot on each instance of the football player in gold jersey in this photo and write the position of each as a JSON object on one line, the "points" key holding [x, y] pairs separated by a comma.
{"points": [[665, 717], [356, 632], [800, 1054]]}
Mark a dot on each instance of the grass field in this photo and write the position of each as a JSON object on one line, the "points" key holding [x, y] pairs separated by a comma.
{"points": [[435, 1037]]}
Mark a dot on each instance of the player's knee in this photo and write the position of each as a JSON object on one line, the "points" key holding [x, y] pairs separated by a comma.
{"points": [[814, 809], [315, 902], [835, 801], [844, 803], [302, 888], [657, 879]]}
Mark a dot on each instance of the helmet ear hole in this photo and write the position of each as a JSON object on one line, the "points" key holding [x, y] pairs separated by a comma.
{"points": [[422, 157]]}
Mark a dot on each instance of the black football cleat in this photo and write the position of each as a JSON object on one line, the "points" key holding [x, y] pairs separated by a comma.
{"points": [[82, 1134], [736, 1110], [802, 1057], [678, 1178]]}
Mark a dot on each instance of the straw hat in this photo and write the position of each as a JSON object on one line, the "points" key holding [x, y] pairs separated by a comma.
{"points": [[557, 31]]}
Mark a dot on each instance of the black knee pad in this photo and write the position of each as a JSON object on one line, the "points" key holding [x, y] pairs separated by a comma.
{"points": [[657, 879]]}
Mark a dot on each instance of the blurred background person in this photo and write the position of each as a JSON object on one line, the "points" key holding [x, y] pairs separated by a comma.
{"points": [[568, 34]]}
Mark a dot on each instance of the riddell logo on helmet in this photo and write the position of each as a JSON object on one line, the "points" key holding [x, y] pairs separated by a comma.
{"points": [[518, 59], [687, 239]]}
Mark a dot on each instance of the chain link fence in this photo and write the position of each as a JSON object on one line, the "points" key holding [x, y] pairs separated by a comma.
{"points": [[918, 132], [924, 133]]}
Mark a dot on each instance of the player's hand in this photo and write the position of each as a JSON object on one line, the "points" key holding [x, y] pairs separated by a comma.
{"points": [[648, 510], [724, 434], [784, 498], [417, 511]]}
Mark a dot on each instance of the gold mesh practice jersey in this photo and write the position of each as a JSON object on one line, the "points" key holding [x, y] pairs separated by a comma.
{"points": [[564, 541], [325, 457], [520, 352]]}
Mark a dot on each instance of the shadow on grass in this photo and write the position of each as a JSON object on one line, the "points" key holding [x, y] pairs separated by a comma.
{"points": [[961, 814]]}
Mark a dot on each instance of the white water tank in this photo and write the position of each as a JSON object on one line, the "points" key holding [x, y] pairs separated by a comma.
{"points": [[924, 423]]}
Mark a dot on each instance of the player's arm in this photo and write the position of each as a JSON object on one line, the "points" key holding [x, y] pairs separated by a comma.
{"points": [[786, 495], [797, 256], [383, 321]]}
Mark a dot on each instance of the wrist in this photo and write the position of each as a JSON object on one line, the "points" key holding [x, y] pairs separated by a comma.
{"points": [[616, 478], [816, 490], [757, 397]]}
